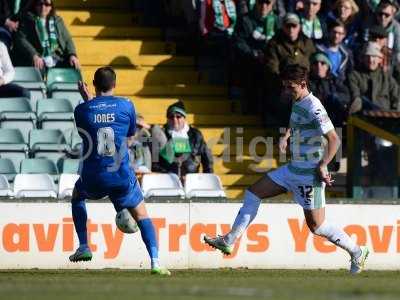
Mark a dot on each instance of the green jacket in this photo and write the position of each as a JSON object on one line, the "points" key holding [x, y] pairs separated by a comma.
{"points": [[28, 43], [378, 86], [281, 52]]}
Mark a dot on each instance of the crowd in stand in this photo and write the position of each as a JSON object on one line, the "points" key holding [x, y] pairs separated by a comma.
{"points": [[351, 48], [32, 34]]}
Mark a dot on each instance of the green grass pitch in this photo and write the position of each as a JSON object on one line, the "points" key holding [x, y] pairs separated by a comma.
{"points": [[198, 284]]}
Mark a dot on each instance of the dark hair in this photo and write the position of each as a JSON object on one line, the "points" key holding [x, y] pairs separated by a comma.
{"points": [[296, 73], [336, 23], [104, 79], [52, 12]]}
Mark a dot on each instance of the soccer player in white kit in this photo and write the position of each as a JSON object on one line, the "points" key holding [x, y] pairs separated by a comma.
{"points": [[306, 175]]}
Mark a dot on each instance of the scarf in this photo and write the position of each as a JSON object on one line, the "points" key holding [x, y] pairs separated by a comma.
{"points": [[312, 29], [219, 14], [17, 5], [47, 36], [177, 145], [267, 31]]}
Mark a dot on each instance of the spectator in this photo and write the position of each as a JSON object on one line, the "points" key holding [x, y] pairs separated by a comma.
{"points": [[185, 149], [217, 17], [288, 46], [347, 12], [10, 15], [8, 89], [43, 40], [312, 26], [252, 33], [340, 56], [370, 86], [384, 16], [332, 92], [140, 155]]}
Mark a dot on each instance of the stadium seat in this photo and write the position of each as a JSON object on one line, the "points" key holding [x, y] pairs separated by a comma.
{"points": [[47, 140], [162, 185], [5, 190], [7, 169], [74, 97], [15, 157], [62, 79], [202, 185], [34, 185], [12, 140], [55, 114], [68, 165], [31, 79], [17, 113], [76, 142], [66, 185], [39, 166]]}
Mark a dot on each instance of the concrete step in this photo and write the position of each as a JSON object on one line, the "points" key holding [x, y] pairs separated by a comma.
{"points": [[245, 167], [204, 120], [104, 17], [128, 77], [180, 90], [199, 106], [120, 57], [234, 180], [114, 32], [129, 47], [235, 134], [89, 4]]}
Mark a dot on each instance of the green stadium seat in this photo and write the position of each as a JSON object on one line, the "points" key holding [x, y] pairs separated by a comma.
{"points": [[62, 79], [27, 74], [31, 79], [47, 140], [7, 169], [76, 142], [15, 157], [74, 97], [17, 113], [12, 140], [55, 114], [69, 166], [39, 166]]}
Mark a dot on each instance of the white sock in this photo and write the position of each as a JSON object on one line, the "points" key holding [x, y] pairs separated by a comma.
{"points": [[155, 263], [246, 215], [337, 236]]}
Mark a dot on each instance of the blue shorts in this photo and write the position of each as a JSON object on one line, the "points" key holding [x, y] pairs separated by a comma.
{"points": [[127, 197]]}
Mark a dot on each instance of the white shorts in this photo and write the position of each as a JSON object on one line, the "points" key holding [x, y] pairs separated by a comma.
{"points": [[307, 191]]}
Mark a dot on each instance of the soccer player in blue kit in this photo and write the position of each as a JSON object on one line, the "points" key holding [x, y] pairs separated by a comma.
{"points": [[105, 125]]}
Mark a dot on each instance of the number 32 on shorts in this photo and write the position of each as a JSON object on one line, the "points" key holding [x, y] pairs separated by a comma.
{"points": [[306, 192]]}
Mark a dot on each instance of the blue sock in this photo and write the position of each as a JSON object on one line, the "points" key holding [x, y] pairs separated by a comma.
{"points": [[149, 238], [79, 216]]}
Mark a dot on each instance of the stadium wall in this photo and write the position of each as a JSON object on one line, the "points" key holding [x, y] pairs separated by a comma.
{"points": [[41, 235]]}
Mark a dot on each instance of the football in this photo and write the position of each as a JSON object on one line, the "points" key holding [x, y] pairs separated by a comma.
{"points": [[125, 222]]}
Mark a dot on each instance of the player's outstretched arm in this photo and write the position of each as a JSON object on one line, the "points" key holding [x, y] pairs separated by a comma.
{"points": [[330, 152], [84, 91]]}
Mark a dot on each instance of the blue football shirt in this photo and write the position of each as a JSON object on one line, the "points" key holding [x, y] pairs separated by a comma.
{"points": [[104, 123]]}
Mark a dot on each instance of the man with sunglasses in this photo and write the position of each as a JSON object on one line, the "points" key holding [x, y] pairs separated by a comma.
{"points": [[185, 148], [385, 16]]}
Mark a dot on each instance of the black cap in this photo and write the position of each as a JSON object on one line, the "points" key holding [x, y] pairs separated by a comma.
{"points": [[177, 107]]}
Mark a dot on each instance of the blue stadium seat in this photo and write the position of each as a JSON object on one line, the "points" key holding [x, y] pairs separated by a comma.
{"points": [[39, 166], [7, 169], [31, 79]]}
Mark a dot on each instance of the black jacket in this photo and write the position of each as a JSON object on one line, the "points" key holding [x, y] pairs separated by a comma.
{"points": [[190, 162]]}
